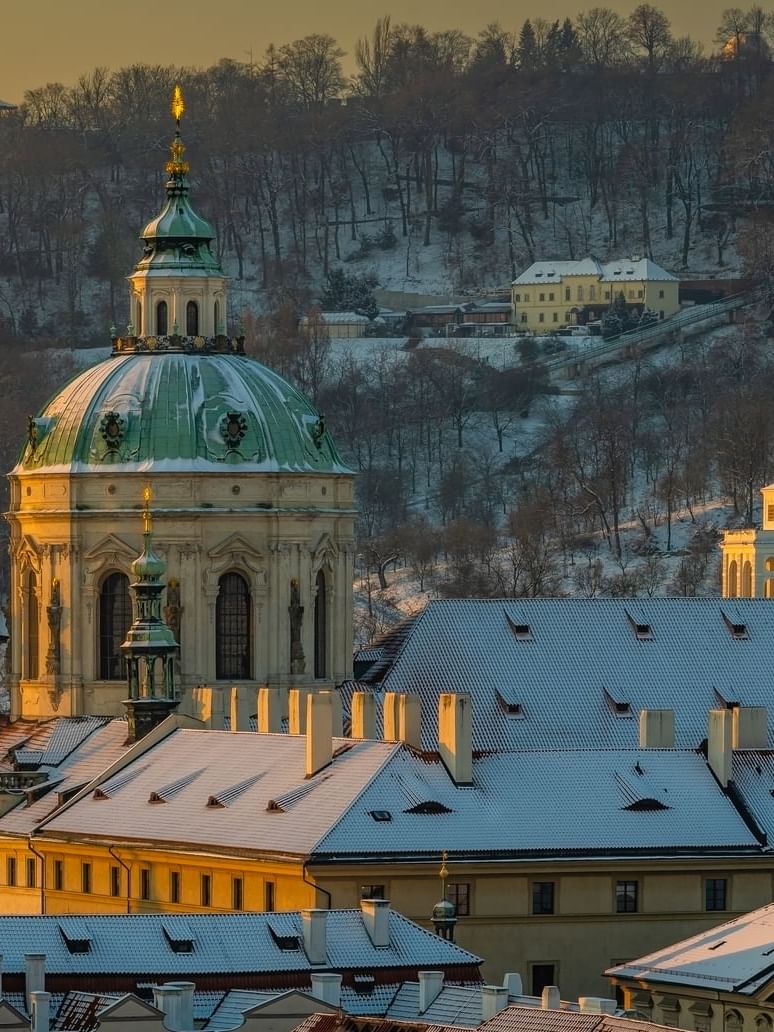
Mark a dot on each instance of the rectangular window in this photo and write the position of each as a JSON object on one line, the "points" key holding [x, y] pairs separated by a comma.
{"points": [[661, 314], [770, 513], [268, 895], [542, 975], [517, 297], [567, 294], [607, 295], [205, 890], [626, 897], [715, 892], [580, 293], [523, 316], [458, 893], [639, 293], [174, 886], [542, 297], [115, 880], [661, 293], [10, 870], [145, 884], [592, 293], [59, 875], [237, 894], [543, 897], [31, 872], [372, 892], [526, 297], [85, 876], [542, 317], [550, 297], [556, 317]]}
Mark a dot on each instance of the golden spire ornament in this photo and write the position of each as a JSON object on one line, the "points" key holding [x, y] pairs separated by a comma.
{"points": [[176, 166], [147, 520], [178, 104]]}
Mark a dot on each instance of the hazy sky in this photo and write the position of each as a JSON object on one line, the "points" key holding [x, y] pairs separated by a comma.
{"points": [[56, 40]]}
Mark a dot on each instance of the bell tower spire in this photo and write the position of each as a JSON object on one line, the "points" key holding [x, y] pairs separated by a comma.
{"points": [[178, 289]]}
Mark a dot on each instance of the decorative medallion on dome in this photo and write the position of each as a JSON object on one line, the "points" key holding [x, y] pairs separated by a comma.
{"points": [[112, 427], [233, 428]]}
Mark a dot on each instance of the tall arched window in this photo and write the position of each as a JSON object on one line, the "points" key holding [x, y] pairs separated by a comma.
{"points": [[192, 318], [320, 628], [216, 318], [32, 629], [233, 618], [731, 580], [139, 319], [115, 619], [162, 321], [747, 590]]}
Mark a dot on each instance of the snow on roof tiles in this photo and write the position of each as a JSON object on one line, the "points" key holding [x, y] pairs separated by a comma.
{"points": [[737, 956], [621, 270], [556, 686], [136, 944]]}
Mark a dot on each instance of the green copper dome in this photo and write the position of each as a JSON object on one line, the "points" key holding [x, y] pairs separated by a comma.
{"points": [[179, 412]]}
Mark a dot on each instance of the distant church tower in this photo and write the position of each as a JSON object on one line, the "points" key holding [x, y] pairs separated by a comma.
{"points": [[748, 556], [253, 507]]}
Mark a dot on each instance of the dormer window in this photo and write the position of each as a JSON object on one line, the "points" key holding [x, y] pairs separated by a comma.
{"points": [[640, 624]]}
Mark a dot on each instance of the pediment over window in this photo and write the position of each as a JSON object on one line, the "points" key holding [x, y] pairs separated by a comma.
{"points": [[236, 548], [111, 547]]}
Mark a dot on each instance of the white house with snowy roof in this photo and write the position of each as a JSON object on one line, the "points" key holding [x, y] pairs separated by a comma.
{"points": [[551, 295]]}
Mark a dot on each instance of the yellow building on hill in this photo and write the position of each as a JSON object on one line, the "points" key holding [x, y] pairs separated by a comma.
{"points": [[747, 567], [550, 296]]}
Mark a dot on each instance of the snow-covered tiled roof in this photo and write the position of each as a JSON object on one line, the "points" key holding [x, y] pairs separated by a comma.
{"points": [[533, 1019], [733, 957], [135, 944], [620, 270], [557, 685], [231, 1009], [550, 803], [454, 1005]]}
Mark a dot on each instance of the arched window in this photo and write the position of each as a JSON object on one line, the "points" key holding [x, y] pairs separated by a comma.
{"points": [[139, 318], [216, 318], [734, 1021], [763, 1023], [192, 318], [731, 587], [233, 617], [747, 580], [580, 293], [32, 628], [161, 319], [320, 628], [115, 619], [768, 587]]}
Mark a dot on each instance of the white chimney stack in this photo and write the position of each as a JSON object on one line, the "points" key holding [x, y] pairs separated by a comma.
{"points": [[363, 715], [376, 918], [597, 1005], [455, 736], [719, 744], [239, 709], [314, 923], [494, 998], [390, 717], [551, 998], [750, 727], [319, 732], [269, 711], [430, 985], [657, 729], [297, 712], [34, 976], [512, 982], [39, 1011], [167, 998], [327, 987], [185, 1004]]}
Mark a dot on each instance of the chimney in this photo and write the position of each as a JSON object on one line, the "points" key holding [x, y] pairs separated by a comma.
{"points": [[337, 714], [185, 1004], [240, 708], [551, 998], [657, 729], [597, 1005], [208, 706], [719, 751], [319, 732], [455, 736], [494, 998], [269, 711], [750, 727], [376, 918], [390, 718], [39, 1011], [297, 710], [166, 998], [314, 923], [430, 985], [327, 987], [363, 715], [512, 982], [34, 976]]}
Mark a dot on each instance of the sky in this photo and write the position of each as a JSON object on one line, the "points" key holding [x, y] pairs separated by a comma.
{"points": [[58, 40]]}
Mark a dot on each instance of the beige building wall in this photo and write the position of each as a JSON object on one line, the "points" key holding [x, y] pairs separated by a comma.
{"points": [[547, 307], [699, 1010], [270, 528], [747, 567]]}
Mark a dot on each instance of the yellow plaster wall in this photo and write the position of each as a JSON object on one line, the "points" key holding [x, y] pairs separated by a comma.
{"points": [[555, 306]]}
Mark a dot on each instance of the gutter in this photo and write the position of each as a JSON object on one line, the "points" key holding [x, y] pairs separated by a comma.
{"points": [[127, 868], [42, 859], [317, 888]]}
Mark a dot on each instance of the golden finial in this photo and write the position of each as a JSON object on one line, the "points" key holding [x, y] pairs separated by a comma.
{"points": [[443, 874], [147, 521], [178, 104]]}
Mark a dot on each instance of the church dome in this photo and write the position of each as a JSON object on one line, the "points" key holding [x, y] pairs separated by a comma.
{"points": [[158, 411]]}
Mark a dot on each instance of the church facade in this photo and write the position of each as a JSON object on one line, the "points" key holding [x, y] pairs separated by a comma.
{"points": [[253, 506], [747, 566]]}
